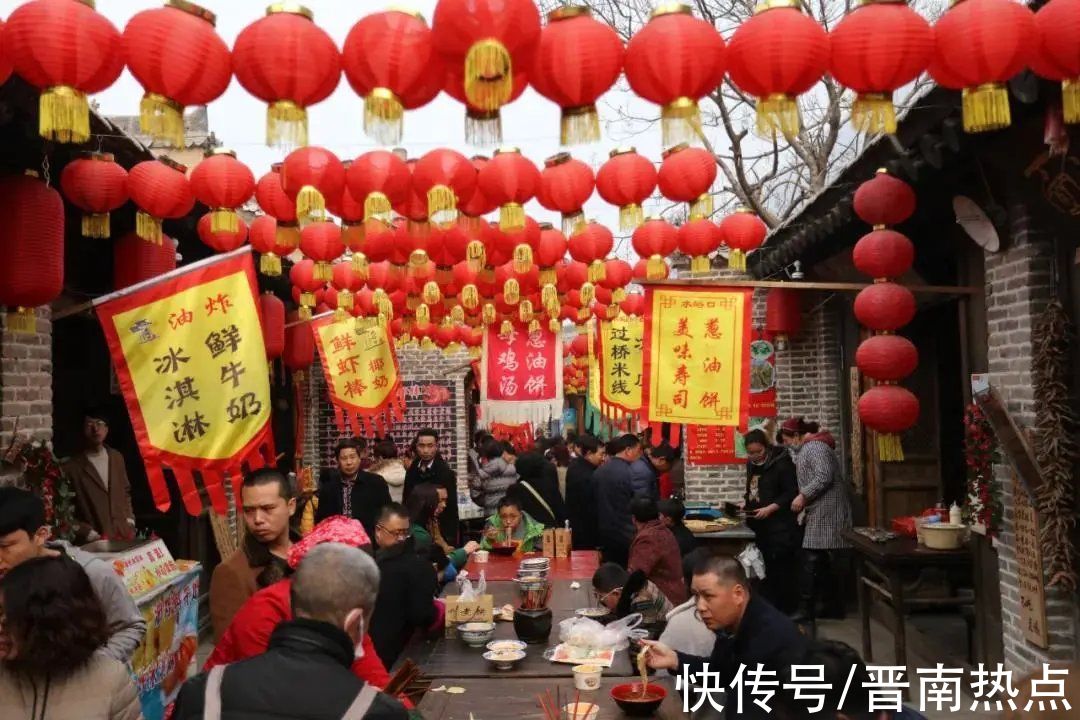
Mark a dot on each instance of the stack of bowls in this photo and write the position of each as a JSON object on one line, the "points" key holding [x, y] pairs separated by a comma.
{"points": [[534, 568]]}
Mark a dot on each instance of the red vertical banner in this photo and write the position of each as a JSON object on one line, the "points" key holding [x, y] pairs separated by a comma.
{"points": [[521, 365]]}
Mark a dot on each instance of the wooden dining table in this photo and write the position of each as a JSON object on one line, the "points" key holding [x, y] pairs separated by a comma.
{"points": [[579, 566]]}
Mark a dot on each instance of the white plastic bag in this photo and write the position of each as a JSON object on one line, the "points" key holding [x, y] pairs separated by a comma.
{"points": [[466, 591], [587, 633], [752, 561]]}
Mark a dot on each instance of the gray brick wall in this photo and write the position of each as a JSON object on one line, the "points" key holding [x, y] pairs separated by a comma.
{"points": [[25, 384]]}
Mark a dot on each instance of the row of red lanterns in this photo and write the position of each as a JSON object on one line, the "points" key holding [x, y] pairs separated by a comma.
{"points": [[485, 52]]}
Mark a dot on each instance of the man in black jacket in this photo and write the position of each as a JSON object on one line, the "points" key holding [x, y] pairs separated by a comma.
{"points": [[614, 487], [430, 467], [580, 494], [306, 670], [407, 586], [537, 490], [350, 491]]}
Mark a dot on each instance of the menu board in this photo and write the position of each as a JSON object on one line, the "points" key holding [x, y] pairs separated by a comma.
{"points": [[428, 404], [145, 567], [1029, 568]]}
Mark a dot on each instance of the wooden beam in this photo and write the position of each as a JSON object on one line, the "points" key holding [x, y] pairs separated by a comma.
{"points": [[799, 285]]}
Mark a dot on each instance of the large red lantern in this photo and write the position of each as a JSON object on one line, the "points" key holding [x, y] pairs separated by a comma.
{"points": [[160, 189], [490, 40], [302, 276], [883, 254], [272, 318], [743, 232], [884, 200], [444, 177], [288, 62], [510, 180], [274, 202], [775, 56], [674, 61], [626, 180], [222, 183], [389, 59], [979, 45], [653, 241], [221, 241], [97, 185], [67, 50], [321, 241], [379, 179], [565, 186], [617, 275], [889, 410], [887, 358], [884, 306], [299, 346], [179, 59], [1058, 57], [32, 245], [686, 175], [312, 177], [633, 305], [590, 244], [5, 57], [136, 260], [783, 315], [860, 61], [698, 239], [578, 60]]}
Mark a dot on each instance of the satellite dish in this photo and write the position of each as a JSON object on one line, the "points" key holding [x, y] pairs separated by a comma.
{"points": [[976, 223]]}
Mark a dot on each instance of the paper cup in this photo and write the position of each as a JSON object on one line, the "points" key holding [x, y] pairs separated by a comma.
{"points": [[580, 711], [587, 677], [481, 556]]}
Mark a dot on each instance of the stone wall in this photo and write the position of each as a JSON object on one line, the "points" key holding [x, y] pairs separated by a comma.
{"points": [[26, 383]]}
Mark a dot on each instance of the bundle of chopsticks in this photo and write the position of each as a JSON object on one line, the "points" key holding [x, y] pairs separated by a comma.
{"points": [[536, 599], [408, 681], [553, 707]]}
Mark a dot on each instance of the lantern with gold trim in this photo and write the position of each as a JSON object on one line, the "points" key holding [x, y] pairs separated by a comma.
{"points": [[483, 128], [653, 241], [321, 242], [591, 243], [743, 232], [566, 184], [1058, 26], [626, 180], [698, 239], [97, 185], [617, 275], [32, 245], [274, 202], [444, 177], [380, 180], [311, 177], [686, 175], [302, 276], [264, 239], [160, 189], [223, 184], [510, 180], [221, 241]]}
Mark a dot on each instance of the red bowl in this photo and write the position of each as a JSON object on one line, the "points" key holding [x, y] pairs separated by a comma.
{"points": [[628, 697], [503, 549]]}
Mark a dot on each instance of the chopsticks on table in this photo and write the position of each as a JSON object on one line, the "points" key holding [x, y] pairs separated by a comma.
{"points": [[553, 707]]}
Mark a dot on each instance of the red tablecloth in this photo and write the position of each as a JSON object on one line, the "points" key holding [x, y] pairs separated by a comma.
{"points": [[579, 566]]}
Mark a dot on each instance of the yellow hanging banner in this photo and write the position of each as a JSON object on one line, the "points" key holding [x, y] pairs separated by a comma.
{"points": [[620, 348]]}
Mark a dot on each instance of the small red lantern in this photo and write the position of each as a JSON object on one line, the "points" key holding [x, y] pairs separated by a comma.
{"points": [[288, 62], [576, 85], [884, 306], [626, 180], [634, 305], [311, 177], [643, 270], [302, 276], [883, 254], [389, 59], [272, 318], [617, 275], [510, 180], [274, 202], [379, 179], [491, 40], [783, 315], [67, 50], [1058, 26], [565, 186], [777, 55], [889, 410], [550, 251], [299, 346], [160, 189], [979, 45], [743, 232], [347, 282], [321, 241], [222, 183], [179, 59], [653, 241], [887, 358], [698, 239], [97, 185], [674, 61], [686, 175], [875, 69], [135, 260], [444, 177], [221, 241], [590, 244], [32, 245], [263, 234], [884, 200]]}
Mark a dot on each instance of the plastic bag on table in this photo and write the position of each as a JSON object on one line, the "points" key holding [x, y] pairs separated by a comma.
{"points": [[752, 561], [466, 591], [587, 633]]}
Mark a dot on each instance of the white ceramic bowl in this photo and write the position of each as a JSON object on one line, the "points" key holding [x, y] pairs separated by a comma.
{"points": [[502, 645], [504, 659], [475, 634]]}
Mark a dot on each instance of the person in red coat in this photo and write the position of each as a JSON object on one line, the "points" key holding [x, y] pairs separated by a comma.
{"points": [[655, 551]]}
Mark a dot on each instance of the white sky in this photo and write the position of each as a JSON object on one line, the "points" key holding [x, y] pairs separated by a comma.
{"points": [[238, 119]]}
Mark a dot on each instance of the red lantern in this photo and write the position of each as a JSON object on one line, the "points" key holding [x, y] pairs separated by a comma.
{"points": [[311, 177], [576, 85], [783, 315], [887, 358], [884, 200], [135, 260], [686, 175], [1058, 26], [97, 185], [389, 59], [643, 271], [617, 275], [379, 179], [274, 202], [299, 346], [565, 186], [674, 61], [590, 244], [347, 282], [626, 180], [221, 241], [443, 176], [160, 189], [777, 55], [302, 276], [634, 305], [978, 46], [875, 69], [272, 318], [222, 183], [510, 180], [884, 306], [483, 128], [491, 40], [889, 410], [67, 51], [5, 58], [321, 241], [883, 254], [179, 59], [743, 232], [550, 251], [266, 240], [32, 245], [288, 62], [699, 239], [653, 241]]}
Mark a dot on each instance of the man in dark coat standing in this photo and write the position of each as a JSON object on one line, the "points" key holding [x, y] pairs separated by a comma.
{"points": [[430, 467], [350, 491], [580, 493], [614, 487]]}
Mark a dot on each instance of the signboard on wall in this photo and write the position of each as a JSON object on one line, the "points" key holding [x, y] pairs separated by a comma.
{"points": [[1029, 568], [428, 404]]}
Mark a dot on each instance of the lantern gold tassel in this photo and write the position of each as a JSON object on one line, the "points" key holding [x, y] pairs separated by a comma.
{"points": [[889, 448], [148, 227], [596, 271], [323, 271], [442, 205], [630, 217], [618, 295], [383, 116], [96, 225], [64, 115], [476, 255], [162, 119], [737, 260], [587, 294], [224, 220], [310, 204], [457, 314], [489, 80], [511, 217], [511, 291], [23, 321], [523, 258], [270, 265], [873, 113], [571, 222], [554, 326], [340, 314], [483, 128], [701, 208], [377, 207], [304, 313], [677, 121], [579, 125], [777, 113], [1070, 100], [506, 328], [470, 297], [487, 315], [986, 107], [549, 276], [360, 263], [431, 292], [700, 264], [286, 125], [655, 268], [417, 260], [423, 315], [549, 296], [308, 299]]}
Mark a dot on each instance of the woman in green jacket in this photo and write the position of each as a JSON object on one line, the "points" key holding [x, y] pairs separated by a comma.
{"points": [[425, 505], [511, 523]]}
